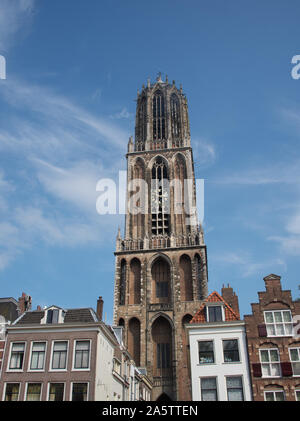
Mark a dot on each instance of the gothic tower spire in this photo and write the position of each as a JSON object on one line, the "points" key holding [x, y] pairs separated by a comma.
{"points": [[161, 263]]}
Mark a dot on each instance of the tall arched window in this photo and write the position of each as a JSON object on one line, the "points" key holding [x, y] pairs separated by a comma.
{"points": [[137, 226], [122, 290], [199, 276], [159, 119], [160, 195], [180, 199], [134, 339], [186, 282], [162, 347], [175, 120], [161, 281], [135, 281], [142, 125]]}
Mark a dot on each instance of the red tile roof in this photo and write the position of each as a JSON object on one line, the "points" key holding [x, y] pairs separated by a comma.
{"points": [[214, 297]]}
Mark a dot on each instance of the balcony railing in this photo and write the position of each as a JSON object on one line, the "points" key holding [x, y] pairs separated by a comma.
{"points": [[161, 242]]}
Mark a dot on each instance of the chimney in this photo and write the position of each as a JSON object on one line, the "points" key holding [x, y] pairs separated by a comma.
{"points": [[24, 303], [99, 311], [231, 298]]}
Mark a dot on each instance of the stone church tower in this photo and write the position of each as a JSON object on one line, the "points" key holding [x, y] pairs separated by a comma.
{"points": [[161, 263]]}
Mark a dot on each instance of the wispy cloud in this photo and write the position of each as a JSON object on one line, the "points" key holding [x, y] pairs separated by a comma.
{"points": [[280, 173], [76, 184], [14, 15], [290, 242], [246, 264], [54, 230], [204, 152], [123, 114], [62, 150], [56, 108]]}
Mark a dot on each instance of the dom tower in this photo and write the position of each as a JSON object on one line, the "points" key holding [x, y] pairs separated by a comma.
{"points": [[161, 263]]}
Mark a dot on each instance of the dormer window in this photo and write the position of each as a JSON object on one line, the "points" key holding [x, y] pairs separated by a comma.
{"points": [[53, 315], [214, 313]]}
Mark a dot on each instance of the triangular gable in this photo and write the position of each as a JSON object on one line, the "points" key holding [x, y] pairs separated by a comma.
{"points": [[214, 297], [53, 307]]}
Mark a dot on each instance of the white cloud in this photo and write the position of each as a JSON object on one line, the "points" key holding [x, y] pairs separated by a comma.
{"points": [[54, 230], [14, 16], [62, 151], [204, 152], [247, 265], [124, 113], [62, 116], [5, 185], [277, 173], [76, 185], [293, 226], [290, 243], [10, 243]]}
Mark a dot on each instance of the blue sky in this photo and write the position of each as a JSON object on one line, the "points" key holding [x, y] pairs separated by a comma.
{"points": [[67, 110]]}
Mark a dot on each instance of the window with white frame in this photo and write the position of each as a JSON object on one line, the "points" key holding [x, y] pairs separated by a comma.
{"points": [[79, 392], [279, 323], [38, 352], [274, 395], [270, 362], [206, 352], [297, 394], [235, 388], [12, 391], [209, 389], [17, 356], [214, 313], [231, 351], [82, 355], [56, 392], [59, 355], [295, 360], [33, 391]]}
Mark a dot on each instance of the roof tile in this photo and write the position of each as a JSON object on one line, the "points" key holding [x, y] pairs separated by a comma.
{"points": [[214, 297]]}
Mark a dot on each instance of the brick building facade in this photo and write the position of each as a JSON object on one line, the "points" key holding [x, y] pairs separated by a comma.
{"points": [[59, 354], [273, 336]]}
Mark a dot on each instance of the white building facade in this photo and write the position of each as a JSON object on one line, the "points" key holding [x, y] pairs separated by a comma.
{"points": [[218, 353]]}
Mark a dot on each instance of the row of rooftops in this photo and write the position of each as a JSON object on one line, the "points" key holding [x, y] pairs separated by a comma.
{"points": [[228, 300]]}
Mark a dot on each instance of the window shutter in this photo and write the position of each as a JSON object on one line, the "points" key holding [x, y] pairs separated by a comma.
{"points": [[262, 330], [256, 367], [286, 369]]}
